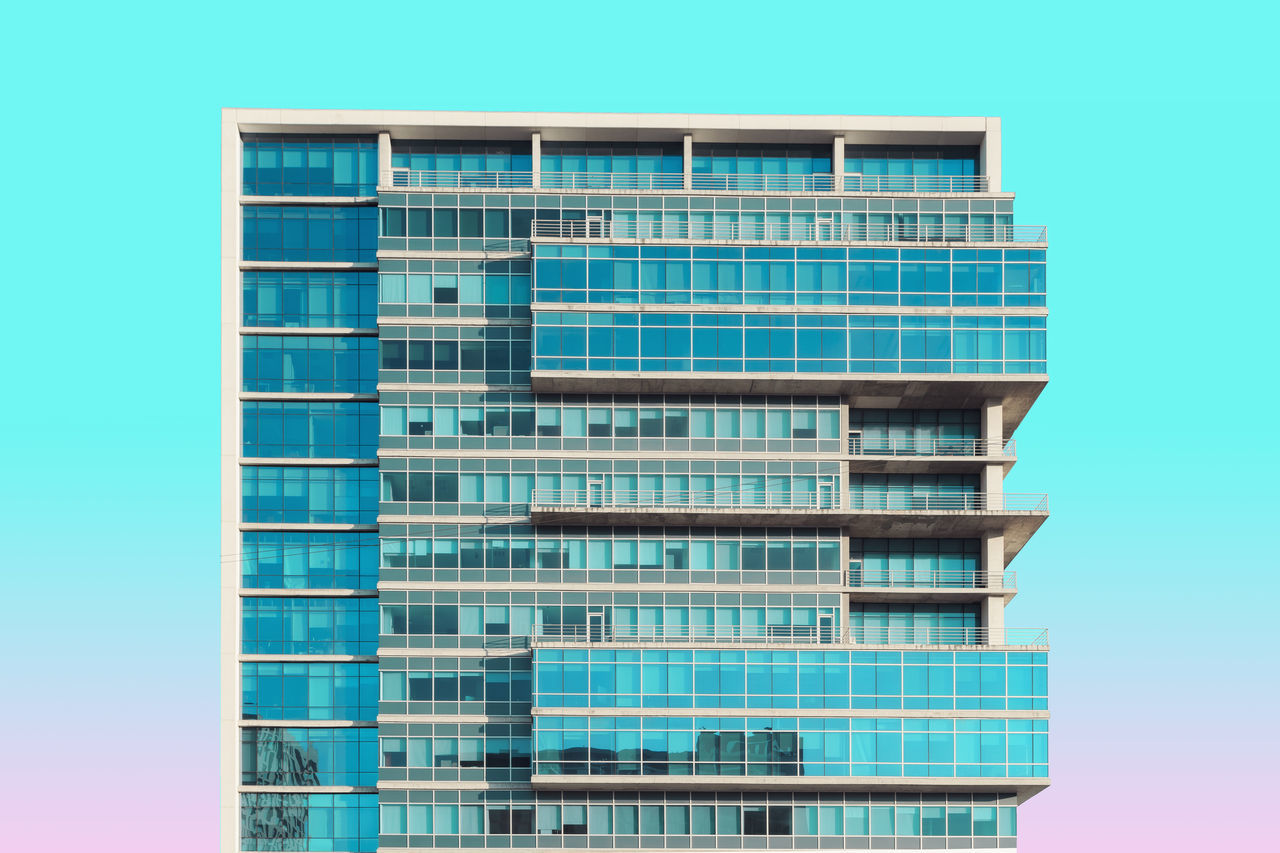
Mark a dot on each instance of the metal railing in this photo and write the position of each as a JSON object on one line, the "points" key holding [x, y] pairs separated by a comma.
{"points": [[855, 183], [872, 635], [948, 502], [932, 635], [404, 177], [447, 179], [914, 578], [591, 498], [612, 181], [763, 183], [803, 232], [863, 446], [682, 499]]}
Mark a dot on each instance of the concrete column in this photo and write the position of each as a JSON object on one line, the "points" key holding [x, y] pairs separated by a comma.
{"points": [[992, 420], [992, 559], [535, 148], [993, 619], [992, 433], [688, 161], [837, 164], [989, 155], [384, 158], [845, 599]]}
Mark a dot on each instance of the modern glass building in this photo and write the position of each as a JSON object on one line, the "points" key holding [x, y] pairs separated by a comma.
{"points": [[625, 482]]}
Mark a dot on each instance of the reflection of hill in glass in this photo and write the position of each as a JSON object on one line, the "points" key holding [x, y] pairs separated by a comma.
{"points": [[272, 757], [275, 821]]}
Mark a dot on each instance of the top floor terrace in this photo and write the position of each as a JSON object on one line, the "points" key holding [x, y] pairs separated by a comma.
{"points": [[584, 152]]}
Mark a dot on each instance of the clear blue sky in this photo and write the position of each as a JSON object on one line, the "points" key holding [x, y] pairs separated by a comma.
{"points": [[1141, 134]]}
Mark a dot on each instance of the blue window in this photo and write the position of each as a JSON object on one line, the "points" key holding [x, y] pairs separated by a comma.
{"points": [[310, 165], [468, 157], [309, 495], [308, 756], [799, 343], [904, 168], [319, 822], [309, 626], [791, 276], [309, 691], [311, 363], [731, 158], [320, 298], [610, 165], [316, 430], [306, 233], [308, 560], [718, 746], [831, 679]]}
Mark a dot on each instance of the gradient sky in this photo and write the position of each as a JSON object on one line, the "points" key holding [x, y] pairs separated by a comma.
{"points": [[1142, 135]]}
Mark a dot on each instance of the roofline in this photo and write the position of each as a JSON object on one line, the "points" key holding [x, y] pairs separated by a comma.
{"points": [[704, 127]]}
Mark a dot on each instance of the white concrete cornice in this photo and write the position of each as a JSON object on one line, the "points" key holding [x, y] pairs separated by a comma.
{"points": [[670, 127]]}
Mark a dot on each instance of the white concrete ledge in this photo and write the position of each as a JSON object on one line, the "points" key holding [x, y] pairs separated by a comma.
{"points": [[346, 200]]}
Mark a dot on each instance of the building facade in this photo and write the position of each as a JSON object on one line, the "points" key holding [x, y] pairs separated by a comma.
{"points": [[624, 482]]}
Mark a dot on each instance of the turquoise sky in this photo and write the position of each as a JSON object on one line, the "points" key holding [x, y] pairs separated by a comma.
{"points": [[1144, 135]]}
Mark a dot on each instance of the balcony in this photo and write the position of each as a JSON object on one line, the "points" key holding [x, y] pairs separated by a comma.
{"points": [[612, 181], [799, 635], [430, 179], [788, 232], [622, 506], [877, 515], [763, 183], [856, 183], [941, 585], [1017, 392], [568, 181], [405, 178], [889, 455]]}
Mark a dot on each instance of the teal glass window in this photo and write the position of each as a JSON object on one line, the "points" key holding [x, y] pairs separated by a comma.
{"points": [[308, 756], [308, 560], [309, 233], [309, 626], [310, 298], [309, 691], [309, 363], [274, 429], [466, 157], [309, 165], [309, 495], [312, 822]]}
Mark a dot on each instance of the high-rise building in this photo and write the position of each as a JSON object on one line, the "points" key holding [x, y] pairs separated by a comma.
{"points": [[624, 482]]}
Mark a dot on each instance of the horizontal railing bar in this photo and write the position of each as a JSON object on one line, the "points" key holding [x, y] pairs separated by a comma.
{"points": [[928, 635], [613, 180], [676, 499], [913, 578], [863, 446], [805, 232], [856, 182], [416, 178]]}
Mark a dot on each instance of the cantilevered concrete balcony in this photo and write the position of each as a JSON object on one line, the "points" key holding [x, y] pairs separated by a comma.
{"points": [[949, 516], [894, 455], [607, 230], [861, 390], [937, 585]]}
